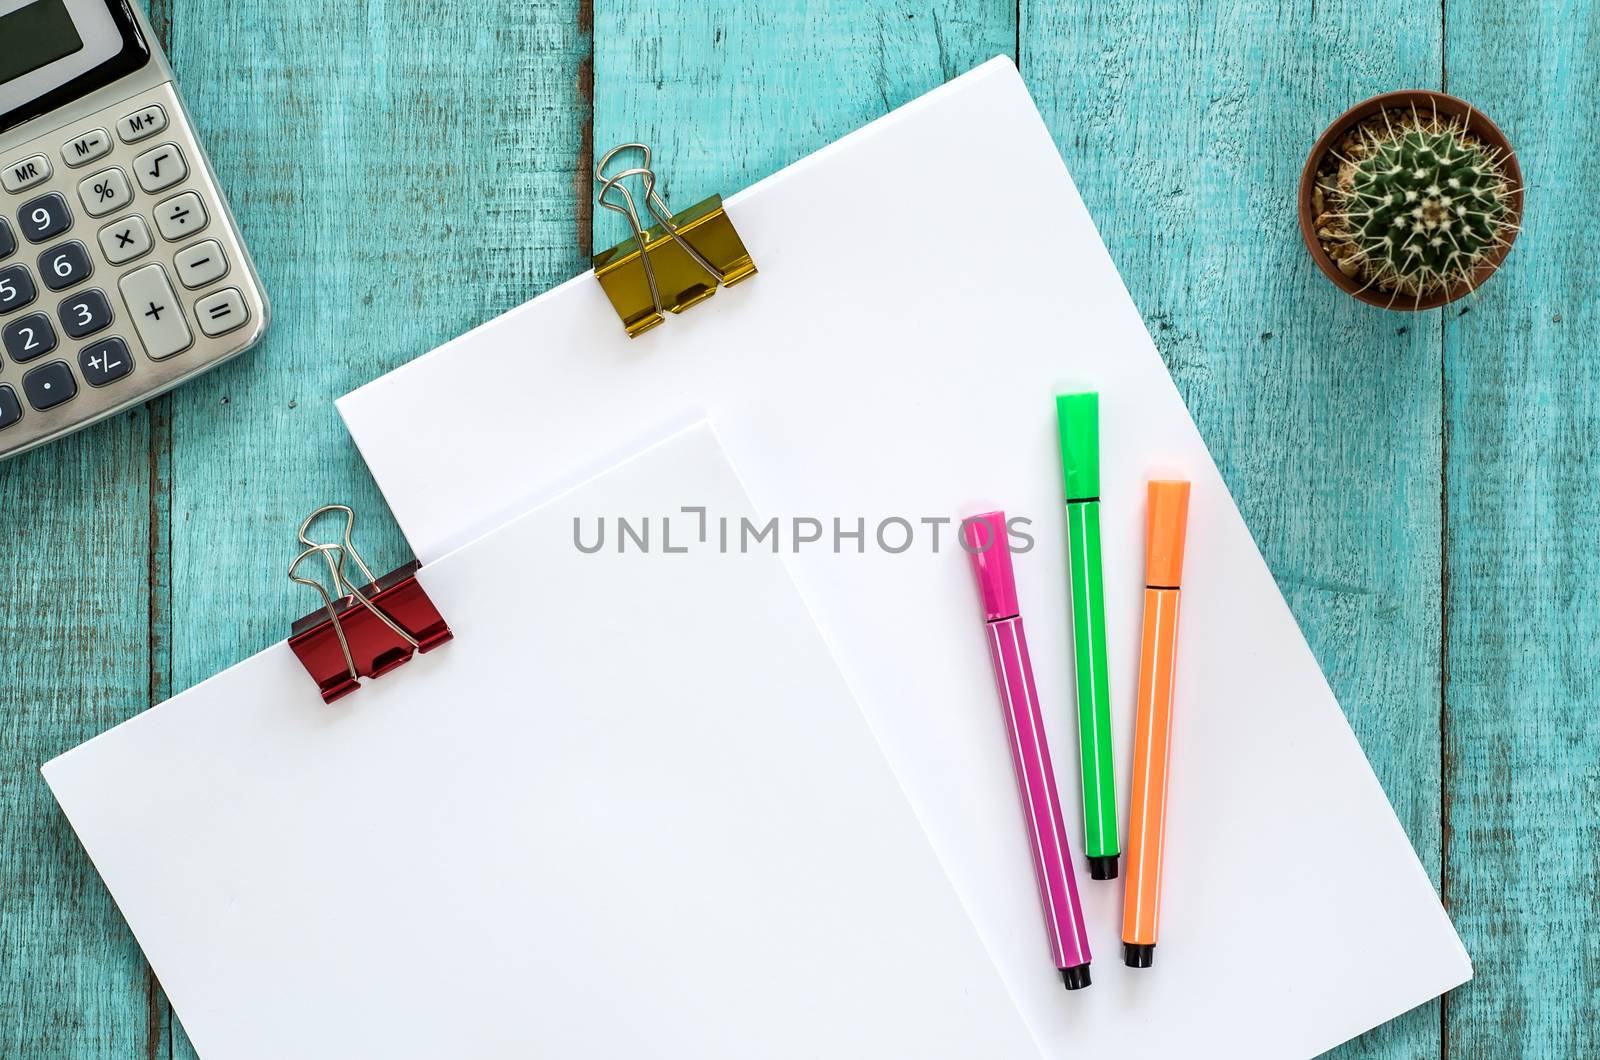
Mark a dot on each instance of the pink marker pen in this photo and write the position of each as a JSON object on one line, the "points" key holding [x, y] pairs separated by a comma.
{"points": [[986, 543]]}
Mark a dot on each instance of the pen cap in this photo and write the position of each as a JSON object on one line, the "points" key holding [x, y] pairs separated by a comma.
{"points": [[985, 539], [1078, 419], [1167, 522]]}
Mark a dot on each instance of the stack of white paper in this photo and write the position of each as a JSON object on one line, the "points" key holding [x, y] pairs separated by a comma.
{"points": [[631, 810], [927, 285]]}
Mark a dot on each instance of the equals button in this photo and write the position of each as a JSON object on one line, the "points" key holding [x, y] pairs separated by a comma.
{"points": [[220, 313]]}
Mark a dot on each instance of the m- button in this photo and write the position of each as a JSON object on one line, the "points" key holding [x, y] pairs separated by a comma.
{"points": [[142, 123], [86, 148]]}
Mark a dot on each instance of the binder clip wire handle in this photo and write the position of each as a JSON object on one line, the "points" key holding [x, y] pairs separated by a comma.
{"points": [[671, 265], [366, 650]]}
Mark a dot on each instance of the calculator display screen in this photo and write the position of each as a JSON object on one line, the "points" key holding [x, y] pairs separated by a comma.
{"points": [[55, 51], [36, 35]]}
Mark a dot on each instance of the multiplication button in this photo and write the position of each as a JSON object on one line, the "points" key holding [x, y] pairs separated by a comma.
{"points": [[153, 308], [122, 241]]}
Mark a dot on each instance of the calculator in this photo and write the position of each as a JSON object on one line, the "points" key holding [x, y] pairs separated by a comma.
{"points": [[122, 271]]}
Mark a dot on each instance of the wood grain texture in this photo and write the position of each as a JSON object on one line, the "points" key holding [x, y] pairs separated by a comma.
{"points": [[1523, 761], [403, 172], [727, 92], [73, 662], [1185, 127]]}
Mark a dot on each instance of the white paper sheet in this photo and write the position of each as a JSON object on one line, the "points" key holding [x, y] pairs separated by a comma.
{"points": [[630, 810], [927, 284]]}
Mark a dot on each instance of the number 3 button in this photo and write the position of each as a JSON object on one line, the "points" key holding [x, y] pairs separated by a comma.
{"points": [[85, 314]]}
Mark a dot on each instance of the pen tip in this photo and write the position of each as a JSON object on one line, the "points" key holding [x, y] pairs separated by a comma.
{"points": [[1076, 977], [1103, 868], [1137, 954]]}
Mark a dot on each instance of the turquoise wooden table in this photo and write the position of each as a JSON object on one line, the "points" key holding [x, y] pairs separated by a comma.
{"points": [[1421, 485]]}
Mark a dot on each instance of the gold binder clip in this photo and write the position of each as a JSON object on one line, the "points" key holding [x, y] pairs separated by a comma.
{"points": [[679, 261]]}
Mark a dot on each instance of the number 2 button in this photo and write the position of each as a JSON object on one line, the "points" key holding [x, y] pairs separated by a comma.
{"points": [[85, 314], [29, 337]]}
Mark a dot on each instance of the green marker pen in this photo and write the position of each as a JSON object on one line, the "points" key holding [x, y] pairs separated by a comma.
{"points": [[1079, 419]]}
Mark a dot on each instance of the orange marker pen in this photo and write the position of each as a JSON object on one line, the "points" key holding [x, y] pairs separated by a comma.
{"points": [[1167, 519]]}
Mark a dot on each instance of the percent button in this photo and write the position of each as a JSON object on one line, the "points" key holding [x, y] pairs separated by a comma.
{"points": [[105, 191]]}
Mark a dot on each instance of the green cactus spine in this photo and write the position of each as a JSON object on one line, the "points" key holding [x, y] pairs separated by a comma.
{"points": [[1421, 204]]}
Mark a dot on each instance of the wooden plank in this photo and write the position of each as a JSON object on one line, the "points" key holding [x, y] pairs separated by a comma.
{"points": [[75, 627], [403, 170], [727, 92], [1185, 127], [1523, 754], [85, 518]]}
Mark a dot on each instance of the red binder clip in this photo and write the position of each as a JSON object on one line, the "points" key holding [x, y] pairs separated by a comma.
{"points": [[361, 631]]}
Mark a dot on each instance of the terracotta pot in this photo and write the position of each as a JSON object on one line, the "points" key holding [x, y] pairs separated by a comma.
{"points": [[1478, 124]]}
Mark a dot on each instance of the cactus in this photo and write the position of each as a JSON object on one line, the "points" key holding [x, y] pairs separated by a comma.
{"points": [[1418, 205]]}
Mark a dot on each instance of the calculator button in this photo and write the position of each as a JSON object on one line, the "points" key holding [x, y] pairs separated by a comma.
{"points": [[50, 385], [201, 264], [142, 123], [44, 217], [104, 362], [20, 176], [65, 265], [153, 308], [16, 288], [10, 407], [8, 240], [85, 313], [104, 192], [220, 313], [86, 148], [177, 217], [161, 168], [28, 337], [125, 240]]}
